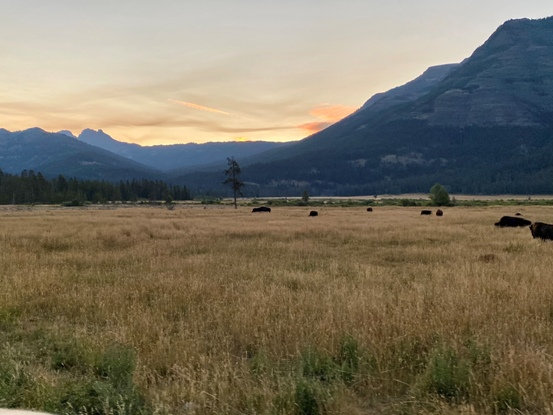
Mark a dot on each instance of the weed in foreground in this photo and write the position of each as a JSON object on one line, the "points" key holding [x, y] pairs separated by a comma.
{"points": [[447, 374]]}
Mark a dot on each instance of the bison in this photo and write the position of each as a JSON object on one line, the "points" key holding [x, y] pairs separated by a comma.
{"points": [[426, 212], [512, 222], [313, 213], [261, 209], [542, 230], [439, 212], [369, 209]]}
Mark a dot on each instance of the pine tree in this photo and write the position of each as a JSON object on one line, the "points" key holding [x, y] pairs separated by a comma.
{"points": [[232, 173]]}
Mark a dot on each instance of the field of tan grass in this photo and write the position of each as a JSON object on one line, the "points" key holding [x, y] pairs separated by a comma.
{"points": [[217, 311]]}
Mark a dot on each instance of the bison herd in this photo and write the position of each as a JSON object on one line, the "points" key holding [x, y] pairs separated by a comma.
{"points": [[313, 213], [538, 229], [426, 212], [268, 210]]}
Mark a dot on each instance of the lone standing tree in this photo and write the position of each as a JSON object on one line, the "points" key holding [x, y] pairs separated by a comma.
{"points": [[439, 196], [232, 174]]}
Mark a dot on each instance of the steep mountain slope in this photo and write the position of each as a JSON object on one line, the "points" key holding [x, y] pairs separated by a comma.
{"points": [[370, 111], [507, 81], [410, 91], [177, 156], [485, 125], [54, 153]]}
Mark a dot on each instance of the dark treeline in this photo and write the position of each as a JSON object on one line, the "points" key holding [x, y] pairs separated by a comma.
{"points": [[31, 187]]}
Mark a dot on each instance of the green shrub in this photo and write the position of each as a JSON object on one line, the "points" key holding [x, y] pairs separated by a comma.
{"points": [[507, 398], [96, 397], [211, 201], [307, 399], [318, 365], [106, 388], [352, 360], [439, 196], [446, 374], [117, 365], [8, 317], [408, 202], [83, 380], [69, 355], [479, 355], [13, 377]]}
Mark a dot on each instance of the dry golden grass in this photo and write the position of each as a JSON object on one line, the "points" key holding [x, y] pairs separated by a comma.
{"points": [[230, 312]]}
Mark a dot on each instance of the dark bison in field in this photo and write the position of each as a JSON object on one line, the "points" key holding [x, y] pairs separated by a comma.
{"points": [[542, 230], [369, 209], [426, 212], [313, 213], [439, 212], [512, 222], [261, 209]]}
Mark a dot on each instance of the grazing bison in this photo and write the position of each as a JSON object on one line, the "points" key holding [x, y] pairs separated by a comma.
{"points": [[369, 209], [512, 222], [439, 212], [426, 212], [261, 209], [518, 214], [542, 230], [313, 213]]}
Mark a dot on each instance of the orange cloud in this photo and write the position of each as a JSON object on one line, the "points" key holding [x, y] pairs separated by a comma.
{"points": [[331, 113], [314, 127], [328, 115], [199, 107]]}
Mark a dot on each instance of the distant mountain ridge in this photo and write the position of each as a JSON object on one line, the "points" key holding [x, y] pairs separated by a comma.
{"points": [[100, 139], [178, 156], [67, 133], [96, 155], [54, 153]]}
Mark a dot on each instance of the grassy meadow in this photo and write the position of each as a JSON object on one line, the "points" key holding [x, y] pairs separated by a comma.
{"points": [[217, 311]]}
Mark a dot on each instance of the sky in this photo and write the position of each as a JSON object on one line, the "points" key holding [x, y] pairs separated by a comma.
{"points": [[178, 71]]}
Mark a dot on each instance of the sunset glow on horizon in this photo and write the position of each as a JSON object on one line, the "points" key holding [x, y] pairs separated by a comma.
{"points": [[175, 72]]}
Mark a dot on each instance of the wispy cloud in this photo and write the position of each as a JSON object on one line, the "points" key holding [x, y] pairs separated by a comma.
{"points": [[199, 107], [200, 125]]}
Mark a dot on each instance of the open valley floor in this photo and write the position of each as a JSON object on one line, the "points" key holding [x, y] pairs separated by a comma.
{"points": [[223, 311]]}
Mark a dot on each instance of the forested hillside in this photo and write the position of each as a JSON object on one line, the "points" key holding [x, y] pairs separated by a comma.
{"points": [[31, 187]]}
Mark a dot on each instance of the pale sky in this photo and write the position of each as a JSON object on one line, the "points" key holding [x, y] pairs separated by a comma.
{"points": [[177, 71]]}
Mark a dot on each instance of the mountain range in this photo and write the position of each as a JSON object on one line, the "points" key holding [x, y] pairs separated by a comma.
{"points": [[96, 155], [484, 125], [56, 153], [179, 157]]}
